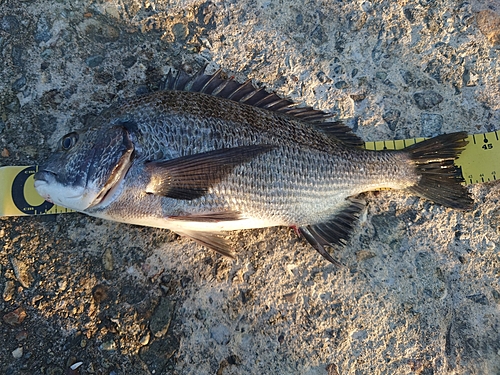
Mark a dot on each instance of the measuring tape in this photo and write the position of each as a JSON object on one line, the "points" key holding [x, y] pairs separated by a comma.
{"points": [[479, 162]]}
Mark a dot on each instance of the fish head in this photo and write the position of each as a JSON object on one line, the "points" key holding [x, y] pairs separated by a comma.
{"points": [[86, 168]]}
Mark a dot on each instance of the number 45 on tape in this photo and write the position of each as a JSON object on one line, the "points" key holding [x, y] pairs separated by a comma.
{"points": [[479, 162]]}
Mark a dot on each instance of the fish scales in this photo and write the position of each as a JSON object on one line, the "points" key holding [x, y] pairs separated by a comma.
{"points": [[301, 183], [200, 164]]}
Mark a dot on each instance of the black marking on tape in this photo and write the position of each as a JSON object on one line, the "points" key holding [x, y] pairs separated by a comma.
{"points": [[18, 197]]}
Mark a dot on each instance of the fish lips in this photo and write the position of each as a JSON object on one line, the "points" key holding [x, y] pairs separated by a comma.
{"points": [[49, 188]]}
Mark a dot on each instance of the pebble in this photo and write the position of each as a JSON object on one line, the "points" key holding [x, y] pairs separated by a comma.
{"points": [[129, 61], [221, 334], [365, 255], [17, 55], [8, 290], [18, 353], [19, 83], [107, 259], [431, 124], [99, 32], [341, 85], [94, 61], [22, 273], [9, 24], [180, 32], [479, 298], [360, 335], [318, 36], [145, 339], [162, 316], [427, 99], [391, 117], [108, 345], [42, 33], [5, 153], [15, 317], [21, 336], [489, 25]]}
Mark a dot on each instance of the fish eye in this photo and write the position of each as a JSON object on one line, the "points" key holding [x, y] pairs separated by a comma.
{"points": [[69, 140]]}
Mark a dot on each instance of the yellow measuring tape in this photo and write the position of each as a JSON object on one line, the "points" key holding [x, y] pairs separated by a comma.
{"points": [[479, 162]]}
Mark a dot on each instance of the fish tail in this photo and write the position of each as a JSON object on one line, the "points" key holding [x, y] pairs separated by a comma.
{"points": [[440, 179]]}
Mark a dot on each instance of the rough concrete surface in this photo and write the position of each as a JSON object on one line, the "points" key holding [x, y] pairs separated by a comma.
{"points": [[419, 293]]}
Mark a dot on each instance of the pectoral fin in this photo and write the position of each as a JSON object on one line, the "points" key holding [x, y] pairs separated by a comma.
{"points": [[190, 177], [334, 232]]}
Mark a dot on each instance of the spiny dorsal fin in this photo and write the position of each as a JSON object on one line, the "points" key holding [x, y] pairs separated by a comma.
{"points": [[218, 84]]}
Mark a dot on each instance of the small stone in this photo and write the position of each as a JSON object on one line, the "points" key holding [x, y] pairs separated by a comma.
{"points": [[479, 298], [17, 55], [108, 345], [129, 61], [391, 117], [94, 61], [83, 343], [431, 124], [15, 317], [8, 290], [5, 153], [107, 259], [365, 255], [22, 273], [145, 339], [100, 32], [9, 24], [489, 25], [341, 85], [427, 99], [290, 297], [221, 334], [19, 84], [100, 293], [160, 321], [17, 353], [14, 106], [180, 31], [42, 33], [21, 336], [360, 335], [318, 36]]}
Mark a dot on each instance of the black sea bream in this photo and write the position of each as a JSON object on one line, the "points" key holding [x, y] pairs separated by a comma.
{"points": [[207, 155]]}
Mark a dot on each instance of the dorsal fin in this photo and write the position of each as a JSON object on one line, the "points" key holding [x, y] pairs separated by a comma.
{"points": [[218, 84]]}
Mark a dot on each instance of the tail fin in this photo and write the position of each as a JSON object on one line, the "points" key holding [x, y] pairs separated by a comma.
{"points": [[440, 180]]}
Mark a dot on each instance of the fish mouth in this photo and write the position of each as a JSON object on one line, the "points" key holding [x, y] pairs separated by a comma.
{"points": [[45, 180], [116, 178]]}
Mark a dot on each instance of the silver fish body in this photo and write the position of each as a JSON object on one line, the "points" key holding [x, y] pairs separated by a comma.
{"points": [[226, 156]]}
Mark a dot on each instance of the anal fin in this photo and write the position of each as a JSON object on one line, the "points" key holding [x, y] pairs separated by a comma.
{"points": [[334, 232]]}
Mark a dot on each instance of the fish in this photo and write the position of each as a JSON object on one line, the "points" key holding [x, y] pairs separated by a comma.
{"points": [[206, 154]]}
